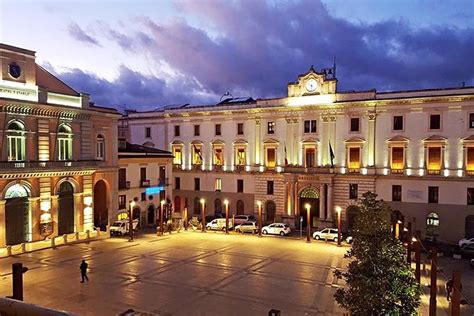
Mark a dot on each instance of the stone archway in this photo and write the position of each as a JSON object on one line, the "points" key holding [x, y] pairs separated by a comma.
{"points": [[101, 212], [17, 220], [309, 195], [65, 208]]}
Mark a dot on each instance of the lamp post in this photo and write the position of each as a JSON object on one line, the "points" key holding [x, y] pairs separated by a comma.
{"points": [[259, 204], [203, 213], [162, 204], [226, 203], [338, 210], [130, 220], [308, 222], [185, 218]]}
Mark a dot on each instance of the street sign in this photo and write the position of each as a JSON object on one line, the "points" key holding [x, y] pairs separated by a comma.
{"points": [[154, 190]]}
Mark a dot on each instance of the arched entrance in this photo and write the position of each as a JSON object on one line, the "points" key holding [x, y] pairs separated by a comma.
{"points": [[16, 214], [469, 228], [240, 207], [151, 215], [66, 209], [101, 213], [270, 211], [309, 195], [351, 214]]}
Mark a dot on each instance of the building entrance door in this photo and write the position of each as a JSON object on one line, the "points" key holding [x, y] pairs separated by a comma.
{"points": [[151, 215], [66, 209], [16, 220], [309, 195], [101, 213]]}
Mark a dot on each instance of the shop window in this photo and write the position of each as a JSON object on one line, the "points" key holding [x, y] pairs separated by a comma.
{"points": [[353, 190], [397, 158], [354, 158], [434, 158], [398, 123], [435, 121], [397, 193], [240, 186], [433, 194], [355, 124]]}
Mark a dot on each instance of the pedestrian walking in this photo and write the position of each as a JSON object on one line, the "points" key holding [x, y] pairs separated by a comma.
{"points": [[83, 268], [449, 289]]}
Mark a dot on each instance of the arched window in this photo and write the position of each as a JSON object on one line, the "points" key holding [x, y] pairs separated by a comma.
{"points": [[217, 206], [17, 191], [64, 142], [16, 141], [100, 147], [432, 224], [240, 207]]}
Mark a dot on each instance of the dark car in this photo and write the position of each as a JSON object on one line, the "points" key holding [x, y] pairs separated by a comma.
{"points": [[468, 251]]}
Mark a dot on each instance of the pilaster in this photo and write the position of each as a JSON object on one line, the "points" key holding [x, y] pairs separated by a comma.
{"points": [[258, 142], [2, 221], [54, 214], [371, 141], [324, 150]]}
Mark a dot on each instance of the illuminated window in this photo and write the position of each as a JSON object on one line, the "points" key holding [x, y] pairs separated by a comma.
{"points": [[271, 158], [240, 158], [434, 158], [197, 155], [218, 184], [310, 157], [122, 216], [271, 127], [470, 158], [354, 158], [100, 150], [64, 142], [397, 158], [217, 158], [16, 141]]}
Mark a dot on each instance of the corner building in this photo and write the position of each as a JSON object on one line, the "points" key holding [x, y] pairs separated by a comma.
{"points": [[58, 169], [324, 147]]}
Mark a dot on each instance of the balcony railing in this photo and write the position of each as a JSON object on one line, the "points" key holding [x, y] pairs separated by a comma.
{"points": [[124, 185], [144, 183], [177, 166], [434, 171], [48, 164], [302, 169]]}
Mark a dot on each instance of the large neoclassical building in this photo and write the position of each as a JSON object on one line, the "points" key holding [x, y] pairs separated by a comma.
{"points": [[58, 169], [324, 147]]}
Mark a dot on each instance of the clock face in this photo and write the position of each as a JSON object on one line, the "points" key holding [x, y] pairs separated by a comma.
{"points": [[311, 85], [14, 70]]}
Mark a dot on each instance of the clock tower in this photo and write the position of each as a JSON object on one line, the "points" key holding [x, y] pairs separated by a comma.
{"points": [[314, 83]]}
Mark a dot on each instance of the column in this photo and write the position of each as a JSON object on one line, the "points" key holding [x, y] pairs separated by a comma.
{"points": [[289, 190], [330, 202], [324, 148], [296, 128], [78, 212], [332, 139], [295, 198], [322, 201], [33, 218], [2, 220], [257, 141], [54, 214], [370, 143]]}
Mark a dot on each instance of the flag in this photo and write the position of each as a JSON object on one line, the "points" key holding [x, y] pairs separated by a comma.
{"points": [[331, 154], [286, 159], [198, 152]]}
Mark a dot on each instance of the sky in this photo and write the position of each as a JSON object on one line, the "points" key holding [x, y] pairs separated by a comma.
{"points": [[146, 54]]}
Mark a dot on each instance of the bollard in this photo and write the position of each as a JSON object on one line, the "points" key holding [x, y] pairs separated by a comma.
{"points": [[53, 244], [65, 238], [274, 312], [77, 236], [9, 251], [88, 234], [23, 247]]}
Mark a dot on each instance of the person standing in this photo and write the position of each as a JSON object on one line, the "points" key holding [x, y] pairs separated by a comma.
{"points": [[449, 289], [83, 268]]}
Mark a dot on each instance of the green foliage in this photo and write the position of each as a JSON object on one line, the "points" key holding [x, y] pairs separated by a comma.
{"points": [[379, 280]]}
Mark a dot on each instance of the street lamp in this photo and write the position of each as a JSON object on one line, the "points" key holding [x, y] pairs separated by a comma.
{"points": [[130, 220], [162, 205], [226, 203], [308, 223], [259, 204], [338, 210], [203, 220]]}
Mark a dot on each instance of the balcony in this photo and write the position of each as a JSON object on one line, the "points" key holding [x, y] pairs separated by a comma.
{"points": [[303, 169], [436, 172], [56, 164], [163, 182], [124, 185], [196, 167], [177, 166], [470, 172], [397, 171], [144, 183], [217, 167]]}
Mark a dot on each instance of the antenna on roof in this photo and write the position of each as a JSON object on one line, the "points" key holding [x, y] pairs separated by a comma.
{"points": [[225, 95]]}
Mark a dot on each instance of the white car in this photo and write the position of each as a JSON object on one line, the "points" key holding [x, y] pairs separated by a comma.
{"points": [[466, 241], [218, 224], [276, 229], [326, 233], [120, 227]]}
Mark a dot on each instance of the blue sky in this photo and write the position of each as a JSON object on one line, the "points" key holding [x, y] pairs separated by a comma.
{"points": [[146, 54]]}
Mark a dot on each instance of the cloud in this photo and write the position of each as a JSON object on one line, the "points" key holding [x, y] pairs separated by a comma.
{"points": [[79, 34]]}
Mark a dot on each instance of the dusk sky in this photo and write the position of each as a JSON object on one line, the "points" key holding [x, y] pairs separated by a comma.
{"points": [[147, 54]]}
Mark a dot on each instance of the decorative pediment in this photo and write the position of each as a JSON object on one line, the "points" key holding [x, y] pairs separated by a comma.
{"points": [[310, 141], [270, 141], [398, 139], [197, 142], [435, 139], [354, 140], [240, 142], [218, 142], [177, 142], [469, 139]]}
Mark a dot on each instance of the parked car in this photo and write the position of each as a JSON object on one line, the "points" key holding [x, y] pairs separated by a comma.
{"points": [[247, 227], [218, 224], [276, 229], [349, 239], [119, 228], [468, 251], [472, 263], [326, 233], [239, 219], [466, 241]]}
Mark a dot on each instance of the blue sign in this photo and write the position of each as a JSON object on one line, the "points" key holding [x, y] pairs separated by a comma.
{"points": [[154, 190]]}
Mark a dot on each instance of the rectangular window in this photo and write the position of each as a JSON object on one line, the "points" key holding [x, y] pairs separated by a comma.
{"points": [[162, 176], [218, 157], [240, 186], [148, 132], [471, 120], [218, 129], [353, 191], [240, 128], [433, 194], [178, 156], [271, 127], [271, 157], [143, 196], [397, 193], [197, 130], [197, 184], [310, 155], [270, 187], [435, 121], [122, 180], [177, 183], [310, 126], [470, 196], [122, 202], [470, 159], [240, 159], [398, 123], [397, 158], [142, 173], [218, 184], [354, 124], [434, 158], [354, 158], [176, 130]]}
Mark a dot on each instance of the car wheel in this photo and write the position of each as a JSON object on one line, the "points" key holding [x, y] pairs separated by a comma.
{"points": [[237, 230], [317, 237], [264, 232], [119, 233], [463, 245], [335, 239], [241, 231], [282, 233]]}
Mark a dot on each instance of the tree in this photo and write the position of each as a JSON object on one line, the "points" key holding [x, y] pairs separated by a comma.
{"points": [[379, 281]]}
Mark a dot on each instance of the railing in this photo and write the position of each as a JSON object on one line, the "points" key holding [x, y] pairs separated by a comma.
{"points": [[144, 183], [163, 182], [196, 167], [177, 166], [124, 185], [470, 172], [397, 171], [48, 164], [302, 169], [217, 167], [434, 171]]}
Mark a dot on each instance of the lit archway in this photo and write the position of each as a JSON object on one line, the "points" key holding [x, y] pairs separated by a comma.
{"points": [[101, 212], [309, 195], [65, 208], [17, 219]]}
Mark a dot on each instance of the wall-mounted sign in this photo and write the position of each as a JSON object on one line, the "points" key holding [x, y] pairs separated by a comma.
{"points": [[154, 190], [18, 93]]}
